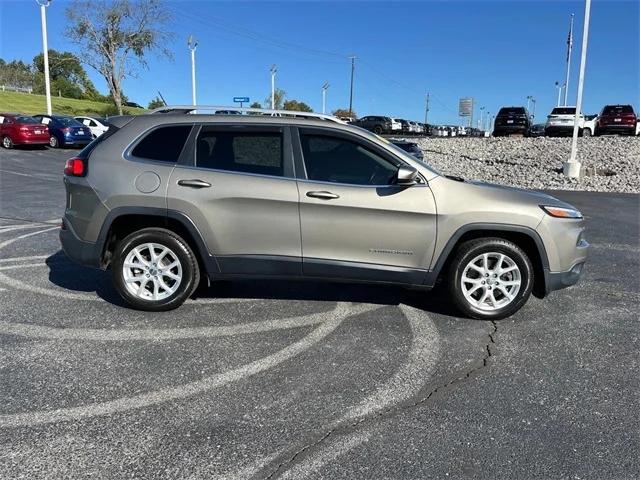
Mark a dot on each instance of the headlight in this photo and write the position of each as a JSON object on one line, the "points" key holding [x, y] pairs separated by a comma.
{"points": [[561, 212]]}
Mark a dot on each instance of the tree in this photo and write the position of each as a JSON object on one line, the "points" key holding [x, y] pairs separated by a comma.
{"points": [[278, 95], [297, 106], [67, 76], [16, 74], [155, 103], [344, 112], [115, 36]]}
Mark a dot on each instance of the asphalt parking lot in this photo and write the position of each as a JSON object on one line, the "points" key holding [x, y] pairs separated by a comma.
{"points": [[281, 380]]}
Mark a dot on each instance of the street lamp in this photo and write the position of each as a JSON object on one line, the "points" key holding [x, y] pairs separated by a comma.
{"points": [[559, 87], [325, 87], [571, 168], [529, 97], [192, 43], [45, 50], [274, 69], [481, 112]]}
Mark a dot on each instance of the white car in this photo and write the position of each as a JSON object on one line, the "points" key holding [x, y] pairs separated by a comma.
{"points": [[414, 127], [562, 119], [395, 124], [95, 125]]}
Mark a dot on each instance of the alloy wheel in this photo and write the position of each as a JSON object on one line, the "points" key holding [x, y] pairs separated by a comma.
{"points": [[491, 281], [152, 271]]}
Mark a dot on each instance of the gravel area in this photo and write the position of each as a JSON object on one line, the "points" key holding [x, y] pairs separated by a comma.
{"points": [[611, 164]]}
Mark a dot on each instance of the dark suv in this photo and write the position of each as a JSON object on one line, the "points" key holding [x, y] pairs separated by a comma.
{"points": [[512, 120], [374, 124], [617, 119]]}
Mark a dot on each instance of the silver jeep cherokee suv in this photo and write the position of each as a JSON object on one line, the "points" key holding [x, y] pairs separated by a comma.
{"points": [[167, 198]]}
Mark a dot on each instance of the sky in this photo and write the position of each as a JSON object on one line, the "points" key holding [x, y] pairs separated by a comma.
{"points": [[498, 52]]}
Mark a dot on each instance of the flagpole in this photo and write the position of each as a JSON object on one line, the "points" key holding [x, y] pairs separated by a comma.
{"points": [[569, 49]]}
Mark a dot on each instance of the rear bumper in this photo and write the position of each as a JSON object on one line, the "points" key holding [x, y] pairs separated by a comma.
{"points": [[628, 129], [76, 141], [78, 251], [558, 130], [510, 129]]}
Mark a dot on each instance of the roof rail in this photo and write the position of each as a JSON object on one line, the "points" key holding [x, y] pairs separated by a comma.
{"points": [[195, 109]]}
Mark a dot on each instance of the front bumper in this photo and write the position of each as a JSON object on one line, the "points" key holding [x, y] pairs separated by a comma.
{"points": [[78, 251], [559, 280]]}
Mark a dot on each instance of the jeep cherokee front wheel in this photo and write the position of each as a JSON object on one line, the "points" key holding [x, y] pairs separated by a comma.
{"points": [[154, 269], [490, 278]]}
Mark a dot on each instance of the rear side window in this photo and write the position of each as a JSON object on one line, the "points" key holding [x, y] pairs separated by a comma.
{"points": [[163, 144], [258, 152], [511, 111]]}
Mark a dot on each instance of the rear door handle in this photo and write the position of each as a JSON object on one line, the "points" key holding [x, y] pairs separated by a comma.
{"points": [[323, 195], [194, 183]]}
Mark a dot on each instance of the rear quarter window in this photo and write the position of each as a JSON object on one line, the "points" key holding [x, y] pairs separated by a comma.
{"points": [[164, 144]]}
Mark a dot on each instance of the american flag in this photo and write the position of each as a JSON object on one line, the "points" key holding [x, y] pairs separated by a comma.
{"points": [[570, 39]]}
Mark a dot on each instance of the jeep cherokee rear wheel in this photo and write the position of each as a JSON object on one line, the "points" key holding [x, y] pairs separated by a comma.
{"points": [[490, 278], [155, 270]]}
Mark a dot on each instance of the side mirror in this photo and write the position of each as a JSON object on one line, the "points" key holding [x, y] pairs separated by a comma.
{"points": [[406, 176]]}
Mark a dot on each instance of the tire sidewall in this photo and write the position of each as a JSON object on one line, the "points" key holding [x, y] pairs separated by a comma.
{"points": [[7, 142], [498, 246], [190, 271], [53, 141]]}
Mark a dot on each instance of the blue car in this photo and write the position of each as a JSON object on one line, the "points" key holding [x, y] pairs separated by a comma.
{"points": [[65, 131]]}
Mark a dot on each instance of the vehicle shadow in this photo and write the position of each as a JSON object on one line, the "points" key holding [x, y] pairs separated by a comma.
{"points": [[67, 275]]}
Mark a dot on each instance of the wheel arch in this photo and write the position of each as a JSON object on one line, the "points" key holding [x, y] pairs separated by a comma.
{"points": [[524, 237], [123, 221]]}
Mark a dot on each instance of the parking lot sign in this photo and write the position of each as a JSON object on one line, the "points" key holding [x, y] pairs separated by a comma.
{"points": [[465, 107]]}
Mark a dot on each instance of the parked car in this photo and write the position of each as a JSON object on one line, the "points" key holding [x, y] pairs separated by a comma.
{"points": [[197, 197], [133, 104], [512, 120], [561, 120], [16, 129], [415, 128], [376, 124], [97, 126], [396, 125], [537, 130], [617, 119], [65, 131], [405, 127], [409, 147]]}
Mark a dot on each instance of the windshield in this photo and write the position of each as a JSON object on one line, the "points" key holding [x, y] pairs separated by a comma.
{"points": [[617, 109], [26, 120], [511, 111], [564, 111], [68, 122]]}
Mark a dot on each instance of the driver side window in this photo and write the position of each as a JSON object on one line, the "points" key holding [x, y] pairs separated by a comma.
{"points": [[339, 160]]}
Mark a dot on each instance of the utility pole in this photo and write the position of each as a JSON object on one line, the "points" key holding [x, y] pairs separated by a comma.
{"points": [[45, 51], [569, 50], [325, 87], [353, 68], [426, 111], [192, 43], [571, 168], [274, 69]]}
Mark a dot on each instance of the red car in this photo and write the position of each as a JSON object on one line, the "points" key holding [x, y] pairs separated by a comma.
{"points": [[16, 129], [617, 119]]}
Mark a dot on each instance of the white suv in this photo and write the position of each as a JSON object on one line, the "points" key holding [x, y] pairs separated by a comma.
{"points": [[562, 119]]}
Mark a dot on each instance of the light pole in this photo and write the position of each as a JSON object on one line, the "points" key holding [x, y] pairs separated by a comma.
{"points": [[571, 168], [45, 51], [193, 44], [569, 50], [426, 111], [559, 87], [325, 87], [533, 110], [481, 113], [274, 69], [529, 97]]}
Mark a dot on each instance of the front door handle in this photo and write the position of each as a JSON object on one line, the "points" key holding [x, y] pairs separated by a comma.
{"points": [[323, 195], [194, 183]]}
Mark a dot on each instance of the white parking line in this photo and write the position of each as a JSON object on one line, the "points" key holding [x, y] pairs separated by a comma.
{"points": [[189, 389]]}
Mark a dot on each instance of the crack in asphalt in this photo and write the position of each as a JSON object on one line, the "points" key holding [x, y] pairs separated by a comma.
{"points": [[393, 410]]}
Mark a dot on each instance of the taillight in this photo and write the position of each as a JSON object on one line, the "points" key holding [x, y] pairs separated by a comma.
{"points": [[66, 130], [75, 167], [23, 129]]}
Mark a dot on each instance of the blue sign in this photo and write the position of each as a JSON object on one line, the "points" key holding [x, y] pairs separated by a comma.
{"points": [[241, 99]]}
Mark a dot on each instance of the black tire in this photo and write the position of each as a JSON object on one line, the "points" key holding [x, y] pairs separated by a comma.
{"points": [[470, 250], [586, 132], [7, 142], [53, 141], [377, 130], [184, 254]]}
